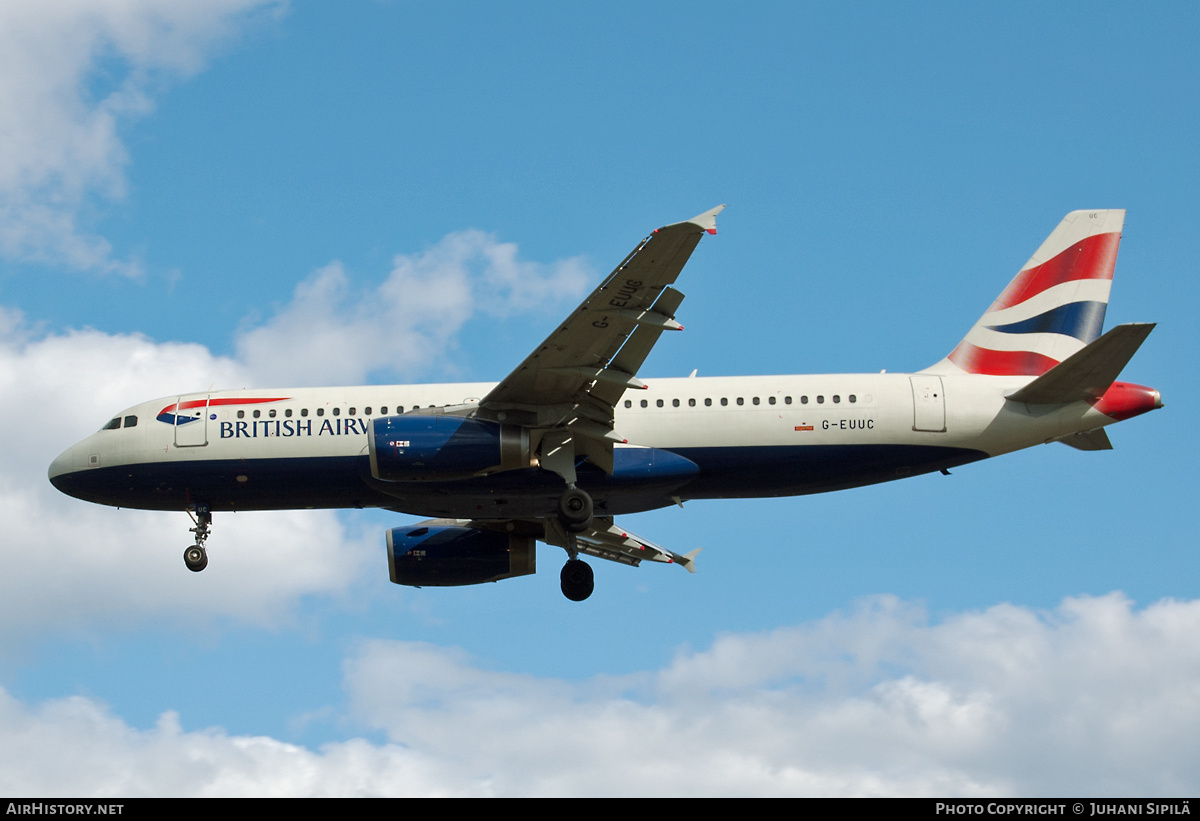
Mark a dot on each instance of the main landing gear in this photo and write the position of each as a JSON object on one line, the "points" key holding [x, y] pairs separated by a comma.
{"points": [[577, 580], [195, 556], [575, 510]]}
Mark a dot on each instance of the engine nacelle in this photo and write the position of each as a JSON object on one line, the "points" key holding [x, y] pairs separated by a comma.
{"points": [[413, 448], [435, 555]]}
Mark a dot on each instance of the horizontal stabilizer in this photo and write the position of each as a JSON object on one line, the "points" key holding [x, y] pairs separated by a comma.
{"points": [[1087, 440], [1089, 372]]}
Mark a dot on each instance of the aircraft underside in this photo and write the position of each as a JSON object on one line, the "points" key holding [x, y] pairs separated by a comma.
{"points": [[346, 482]]}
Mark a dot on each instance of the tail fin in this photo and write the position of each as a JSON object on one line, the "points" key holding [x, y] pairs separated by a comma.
{"points": [[1053, 307]]}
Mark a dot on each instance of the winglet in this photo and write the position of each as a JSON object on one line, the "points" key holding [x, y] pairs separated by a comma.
{"points": [[688, 560], [708, 220]]}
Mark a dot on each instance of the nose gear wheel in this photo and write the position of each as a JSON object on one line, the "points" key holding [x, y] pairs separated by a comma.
{"points": [[195, 556]]}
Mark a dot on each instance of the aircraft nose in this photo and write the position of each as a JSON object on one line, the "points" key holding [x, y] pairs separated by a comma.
{"points": [[80, 472], [68, 463], [60, 465]]}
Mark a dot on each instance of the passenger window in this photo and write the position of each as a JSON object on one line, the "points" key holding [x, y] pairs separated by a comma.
{"points": [[241, 414], [257, 414], [836, 399], [645, 404], [399, 409], [674, 403], [113, 424], [271, 413], [288, 413], [303, 412], [853, 398], [350, 412], [659, 403], [130, 421], [787, 400], [770, 400], [367, 410], [320, 411], [820, 400], [708, 403], [741, 401], [755, 400], [629, 403], [724, 401], [382, 410], [337, 411], [691, 403], [803, 400]]}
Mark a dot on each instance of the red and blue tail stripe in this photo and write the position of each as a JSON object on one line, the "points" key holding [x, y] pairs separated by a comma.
{"points": [[1052, 308]]}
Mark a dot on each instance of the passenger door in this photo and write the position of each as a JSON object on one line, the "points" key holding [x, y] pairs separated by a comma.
{"points": [[191, 422]]}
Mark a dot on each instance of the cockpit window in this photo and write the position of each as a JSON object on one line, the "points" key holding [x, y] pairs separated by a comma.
{"points": [[130, 421], [113, 424]]}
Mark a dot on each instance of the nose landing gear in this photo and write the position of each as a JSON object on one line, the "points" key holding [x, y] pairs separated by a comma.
{"points": [[195, 556]]}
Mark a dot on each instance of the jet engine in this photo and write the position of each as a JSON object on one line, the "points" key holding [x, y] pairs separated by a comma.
{"points": [[413, 448], [446, 554]]}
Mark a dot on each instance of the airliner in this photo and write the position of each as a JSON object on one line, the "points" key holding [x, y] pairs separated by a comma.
{"points": [[573, 437]]}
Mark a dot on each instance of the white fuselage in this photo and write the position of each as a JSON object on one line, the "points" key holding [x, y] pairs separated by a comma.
{"points": [[750, 436]]}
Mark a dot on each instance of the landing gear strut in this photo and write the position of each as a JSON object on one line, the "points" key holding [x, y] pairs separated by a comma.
{"points": [[195, 556], [577, 580], [575, 510]]}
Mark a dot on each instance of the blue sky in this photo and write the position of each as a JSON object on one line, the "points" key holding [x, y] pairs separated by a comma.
{"points": [[219, 193]]}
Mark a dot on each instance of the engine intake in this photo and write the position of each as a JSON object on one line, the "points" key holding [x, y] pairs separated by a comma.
{"points": [[449, 555]]}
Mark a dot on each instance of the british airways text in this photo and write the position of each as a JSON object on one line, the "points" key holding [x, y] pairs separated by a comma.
{"points": [[261, 428]]}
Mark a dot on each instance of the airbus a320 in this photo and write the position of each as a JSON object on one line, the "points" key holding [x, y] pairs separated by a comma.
{"points": [[573, 437]]}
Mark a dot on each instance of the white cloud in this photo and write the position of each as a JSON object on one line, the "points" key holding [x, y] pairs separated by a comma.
{"points": [[1093, 698], [330, 334], [76, 746], [71, 74], [69, 564]]}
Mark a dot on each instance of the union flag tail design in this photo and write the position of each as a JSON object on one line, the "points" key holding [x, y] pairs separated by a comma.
{"points": [[1053, 308]]}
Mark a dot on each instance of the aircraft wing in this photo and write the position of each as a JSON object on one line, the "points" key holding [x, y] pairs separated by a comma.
{"points": [[604, 540], [570, 384]]}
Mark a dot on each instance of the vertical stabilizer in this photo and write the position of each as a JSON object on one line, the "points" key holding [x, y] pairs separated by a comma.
{"points": [[1053, 307]]}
